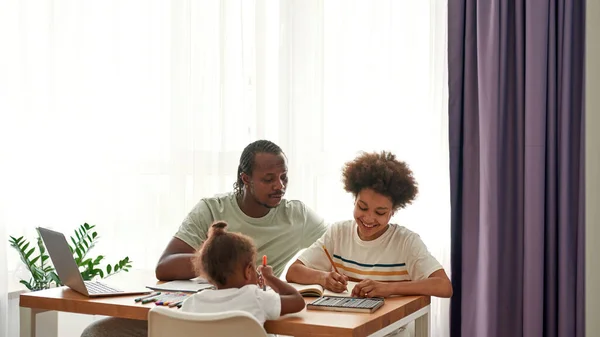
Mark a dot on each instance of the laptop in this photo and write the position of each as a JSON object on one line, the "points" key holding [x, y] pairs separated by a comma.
{"points": [[68, 272]]}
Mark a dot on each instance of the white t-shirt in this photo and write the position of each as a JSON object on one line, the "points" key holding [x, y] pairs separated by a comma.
{"points": [[264, 305], [397, 255]]}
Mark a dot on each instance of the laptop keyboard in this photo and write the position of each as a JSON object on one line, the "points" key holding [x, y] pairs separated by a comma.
{"points": [[99, 288]]}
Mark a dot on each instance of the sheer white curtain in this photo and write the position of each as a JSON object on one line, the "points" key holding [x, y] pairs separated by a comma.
{"points": [[4, 328], [124, 113]]}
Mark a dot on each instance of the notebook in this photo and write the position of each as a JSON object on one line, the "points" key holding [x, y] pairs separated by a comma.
{"points": [[348, 304], [184, 286], [316, 290]]}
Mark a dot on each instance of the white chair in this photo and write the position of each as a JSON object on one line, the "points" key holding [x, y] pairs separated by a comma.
{"points": [[168, 322]]}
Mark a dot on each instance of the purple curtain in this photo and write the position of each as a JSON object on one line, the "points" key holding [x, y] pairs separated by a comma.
{"points": [[516, 115]]}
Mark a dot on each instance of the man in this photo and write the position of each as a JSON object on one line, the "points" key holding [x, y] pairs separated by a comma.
{"points": [[279, 227]]}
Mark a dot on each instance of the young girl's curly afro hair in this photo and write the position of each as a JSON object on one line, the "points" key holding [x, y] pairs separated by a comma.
{"points": [[224, 253], [384, 174]]}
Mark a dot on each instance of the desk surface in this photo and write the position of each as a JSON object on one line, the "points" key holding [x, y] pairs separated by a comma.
{"points": [[306, 322]]}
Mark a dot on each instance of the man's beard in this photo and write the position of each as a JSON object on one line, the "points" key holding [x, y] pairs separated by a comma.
{"points": [[258, 201]]}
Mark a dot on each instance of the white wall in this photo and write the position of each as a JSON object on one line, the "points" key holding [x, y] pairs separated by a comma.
{"points": [[592, 254]]}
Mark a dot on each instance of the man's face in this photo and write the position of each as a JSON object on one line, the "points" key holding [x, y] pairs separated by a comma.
{"points": [[269, 179]]}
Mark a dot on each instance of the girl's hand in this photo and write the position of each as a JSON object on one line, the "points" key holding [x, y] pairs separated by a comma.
{"points": [[335, 282], [265, 275], [265, 271], [370, 288]]}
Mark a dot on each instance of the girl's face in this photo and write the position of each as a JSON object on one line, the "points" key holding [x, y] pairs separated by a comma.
{"points": [[372, 212]]}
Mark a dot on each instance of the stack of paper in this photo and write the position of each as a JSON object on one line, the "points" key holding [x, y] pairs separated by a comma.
{"points": [[187, 286]]}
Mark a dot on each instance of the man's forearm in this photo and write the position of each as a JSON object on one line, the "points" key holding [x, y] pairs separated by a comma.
{"points": [[176, 267]]}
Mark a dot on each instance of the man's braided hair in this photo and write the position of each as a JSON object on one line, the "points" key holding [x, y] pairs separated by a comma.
{"points": [[247, 160]]}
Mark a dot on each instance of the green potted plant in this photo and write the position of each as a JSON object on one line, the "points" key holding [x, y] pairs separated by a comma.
{"points": [[43, 275]]}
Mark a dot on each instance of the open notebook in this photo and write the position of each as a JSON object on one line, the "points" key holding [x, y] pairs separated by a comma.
{"points": [[316, 290], [187, 286]]}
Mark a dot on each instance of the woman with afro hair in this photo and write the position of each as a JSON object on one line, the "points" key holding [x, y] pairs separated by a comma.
{"points": [[384, 259]]}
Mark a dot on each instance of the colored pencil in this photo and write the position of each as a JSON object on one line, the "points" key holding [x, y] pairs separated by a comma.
{"points": [[264, 265], [145, 297]]}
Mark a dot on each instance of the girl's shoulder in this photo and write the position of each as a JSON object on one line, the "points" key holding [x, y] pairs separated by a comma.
{"points": [[404, 236], [342, 227], [343, 224]]}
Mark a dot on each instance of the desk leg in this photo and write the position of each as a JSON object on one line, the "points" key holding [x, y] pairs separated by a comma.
{"points": [[27, 321], [28, 318], [423, 325]]}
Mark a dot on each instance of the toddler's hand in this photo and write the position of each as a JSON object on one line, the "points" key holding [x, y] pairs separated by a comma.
{"points": [[265, 271]]}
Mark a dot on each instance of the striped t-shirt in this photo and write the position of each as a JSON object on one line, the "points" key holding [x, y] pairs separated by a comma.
{"points": [[397, 255]]}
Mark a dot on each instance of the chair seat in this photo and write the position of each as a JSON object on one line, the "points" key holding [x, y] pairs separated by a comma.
{"points": [[169, 322]]}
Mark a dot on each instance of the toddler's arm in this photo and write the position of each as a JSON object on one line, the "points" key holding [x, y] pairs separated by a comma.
{"points": [[291, 300]]}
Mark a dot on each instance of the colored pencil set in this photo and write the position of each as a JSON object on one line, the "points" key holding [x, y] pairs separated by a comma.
{"points": [[166, 299]]}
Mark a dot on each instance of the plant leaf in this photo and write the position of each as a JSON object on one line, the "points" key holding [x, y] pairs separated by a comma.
{"points": [[27, 284], [35, 259], [98, 259], [55, 278], [40, 244], [108, 269], [29, 253], [37, 273]]}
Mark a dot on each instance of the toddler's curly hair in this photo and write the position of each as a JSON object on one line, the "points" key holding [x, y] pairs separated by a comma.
{"points": [[224, 253]]}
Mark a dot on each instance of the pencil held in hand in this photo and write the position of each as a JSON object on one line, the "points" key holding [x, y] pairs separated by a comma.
{"points": [[331, 260]]}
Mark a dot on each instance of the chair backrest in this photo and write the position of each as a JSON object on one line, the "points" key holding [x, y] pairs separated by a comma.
{"points": [[169, 322]]}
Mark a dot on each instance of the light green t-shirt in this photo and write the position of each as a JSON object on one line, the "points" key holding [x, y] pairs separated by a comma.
{"points": [[285, 230]]}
